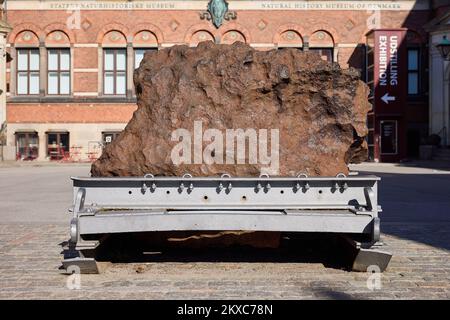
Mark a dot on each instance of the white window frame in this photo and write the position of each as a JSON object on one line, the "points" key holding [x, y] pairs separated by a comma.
{"points": [[114, 71], [28, 71], [59, 71], [145, 49]]}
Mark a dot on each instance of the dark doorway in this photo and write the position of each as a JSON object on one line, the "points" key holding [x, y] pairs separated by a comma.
{"points": [[413, 142]]}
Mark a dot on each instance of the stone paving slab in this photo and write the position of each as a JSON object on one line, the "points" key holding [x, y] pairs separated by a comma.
{"points": [[30, 258]]}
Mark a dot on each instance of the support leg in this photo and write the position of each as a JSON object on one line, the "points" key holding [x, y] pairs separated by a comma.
{"points": [[364, 255], [80, 258]]}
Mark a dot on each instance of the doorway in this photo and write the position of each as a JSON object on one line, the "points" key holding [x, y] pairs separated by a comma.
{"points": [[57, 145], [27, 146]]}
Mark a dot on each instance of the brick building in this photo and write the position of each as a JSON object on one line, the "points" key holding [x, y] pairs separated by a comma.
{"points": [[439, 35], [4, 29], [69, 83]]}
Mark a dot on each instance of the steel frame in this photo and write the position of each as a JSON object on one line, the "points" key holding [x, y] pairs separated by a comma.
{"points": [[341, 204]]}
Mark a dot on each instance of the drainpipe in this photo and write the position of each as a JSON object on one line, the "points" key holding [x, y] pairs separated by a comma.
{"points": [[446, 99]]}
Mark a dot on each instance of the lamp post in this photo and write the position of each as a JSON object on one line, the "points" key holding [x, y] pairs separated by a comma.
{"points": [[444, 48]]}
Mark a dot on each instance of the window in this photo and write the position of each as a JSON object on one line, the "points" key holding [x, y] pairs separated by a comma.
{"points": [[58, 71], [109, 137], [115, 71], [281, 47], [57, 145], [139, 55], [413, 71], [28, 71], [325, 53], [27, 145]]}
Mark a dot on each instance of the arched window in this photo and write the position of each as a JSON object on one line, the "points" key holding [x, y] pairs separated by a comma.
{"points": [[26, 38], [232, 36], [114, 63], [143, 42], [322, 42], [290, 39], [58, 63], [27, 63], [200, 36]]}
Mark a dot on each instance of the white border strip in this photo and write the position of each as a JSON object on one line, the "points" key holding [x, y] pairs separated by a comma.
{"points": [[233, 5], [347, 45], [168, 45], [85, 94], [85, 45], [85, 70], [262, 45]]}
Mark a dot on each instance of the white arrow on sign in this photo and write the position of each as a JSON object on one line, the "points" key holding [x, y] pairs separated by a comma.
{"points": [[386, 98]]}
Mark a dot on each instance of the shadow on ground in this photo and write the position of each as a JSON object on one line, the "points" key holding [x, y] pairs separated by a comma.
{"points": [[294, 248], [416, 207], [436, 165], [322, 249]]}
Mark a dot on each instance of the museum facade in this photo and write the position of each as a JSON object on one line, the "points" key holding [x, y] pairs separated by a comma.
{"points": [[69, 79]]}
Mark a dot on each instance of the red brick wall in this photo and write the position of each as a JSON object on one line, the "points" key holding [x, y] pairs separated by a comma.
{"points": [[85, 82], [69, 113], [345, 27], [85, 57]]}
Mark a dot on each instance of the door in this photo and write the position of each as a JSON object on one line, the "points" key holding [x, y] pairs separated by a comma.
{"points": [[27, 146], [57, 145], [388, 137]]}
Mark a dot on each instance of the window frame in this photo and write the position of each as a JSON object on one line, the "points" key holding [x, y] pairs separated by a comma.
{"points": [[59, 71], [331, 49], [28, 71], [114, 135], [27, 137], [115, 71], [415, 71], [58, 142], [145, 49], [284, 46]]}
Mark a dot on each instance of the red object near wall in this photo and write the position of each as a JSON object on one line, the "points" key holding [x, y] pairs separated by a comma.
{"points": [[387, 77]]}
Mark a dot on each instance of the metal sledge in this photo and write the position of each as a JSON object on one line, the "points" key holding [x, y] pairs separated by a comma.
{"points": [[342, 204]]}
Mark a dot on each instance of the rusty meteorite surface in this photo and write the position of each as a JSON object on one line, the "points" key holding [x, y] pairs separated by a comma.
{"points": [[319, 109]]}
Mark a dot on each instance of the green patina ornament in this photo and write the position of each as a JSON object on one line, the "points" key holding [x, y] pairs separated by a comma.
{"points": [[217, 9]]}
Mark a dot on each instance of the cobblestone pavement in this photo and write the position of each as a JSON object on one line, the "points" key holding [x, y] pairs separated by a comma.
{"points": [[30, 257], [34, 222]]}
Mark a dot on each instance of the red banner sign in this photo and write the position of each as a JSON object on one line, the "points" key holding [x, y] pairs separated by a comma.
{"points": [[390, 71]]}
